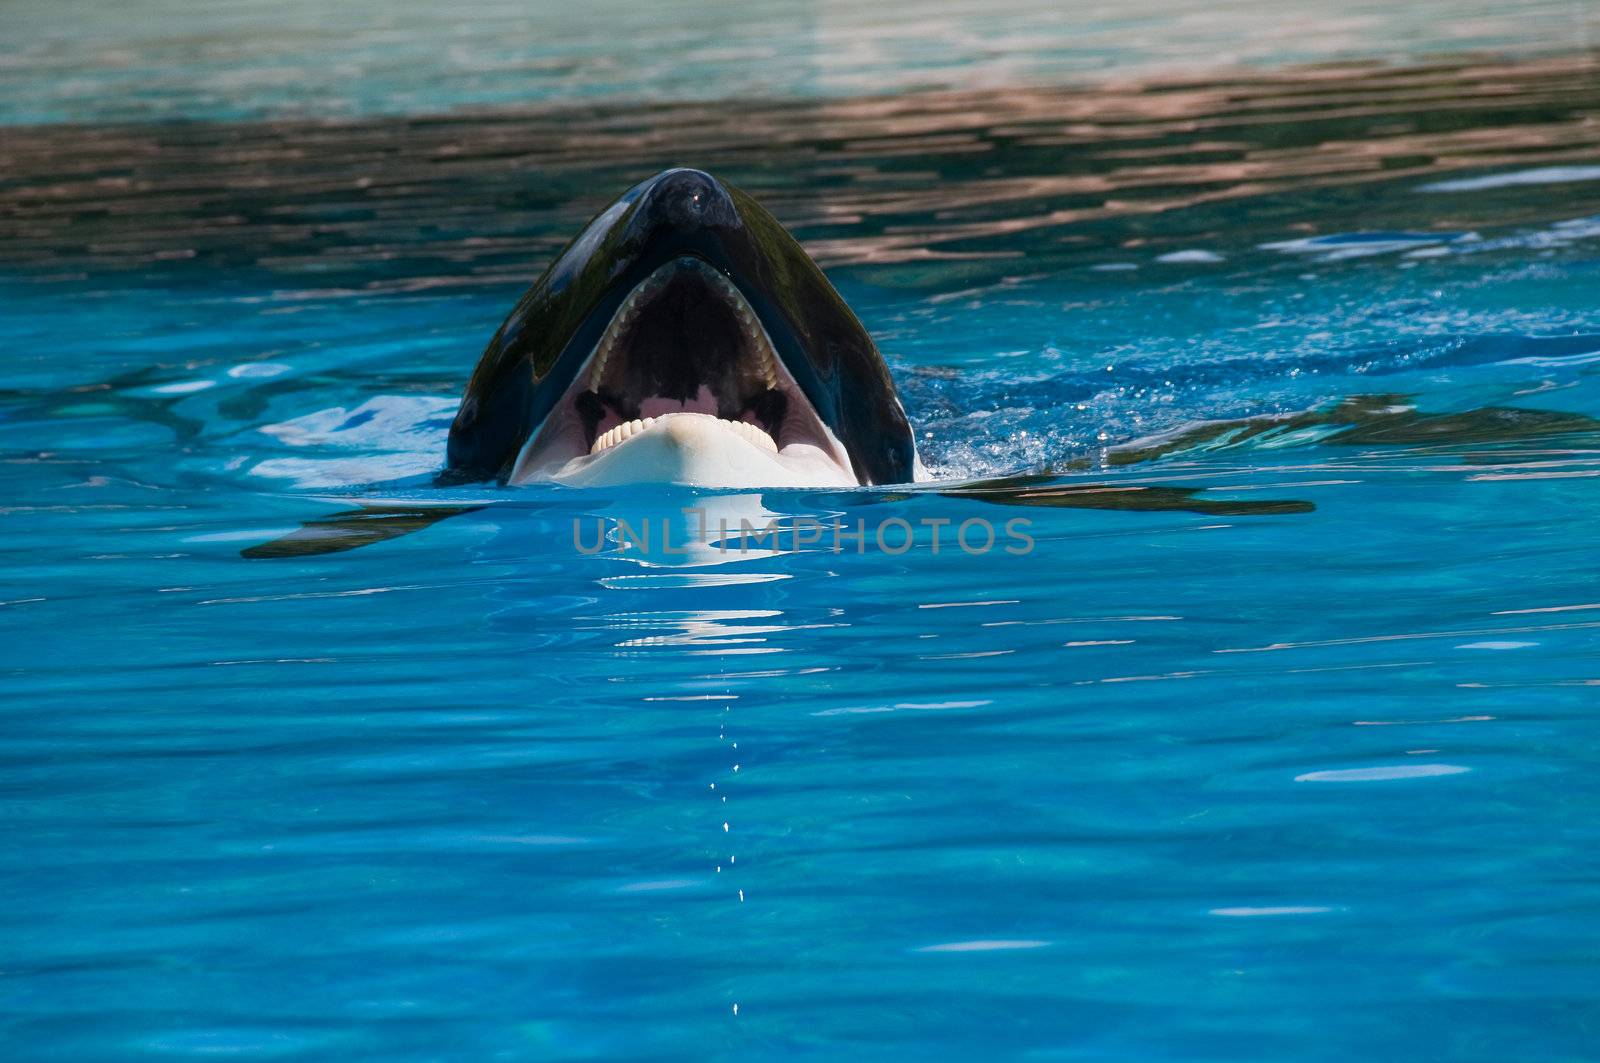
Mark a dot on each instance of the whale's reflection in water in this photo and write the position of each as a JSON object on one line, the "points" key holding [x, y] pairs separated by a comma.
{"points": [[687, 533], [680, 529]]}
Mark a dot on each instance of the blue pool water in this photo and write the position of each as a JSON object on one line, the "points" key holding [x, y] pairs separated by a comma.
{"points": [[1279, 744]]}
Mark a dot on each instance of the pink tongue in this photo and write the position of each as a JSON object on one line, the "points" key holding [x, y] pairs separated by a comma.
{"points": [[704, 402]]}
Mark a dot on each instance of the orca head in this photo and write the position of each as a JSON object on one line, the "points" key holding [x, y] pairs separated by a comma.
{"points": [[684, 336]]}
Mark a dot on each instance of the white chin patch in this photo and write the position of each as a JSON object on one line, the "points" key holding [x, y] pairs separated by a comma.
{"points": [[700, 450], [633, 412]]}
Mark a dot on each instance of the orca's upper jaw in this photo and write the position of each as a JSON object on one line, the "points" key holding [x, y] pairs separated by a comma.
{"points": [[684, 385], [682, 203]]}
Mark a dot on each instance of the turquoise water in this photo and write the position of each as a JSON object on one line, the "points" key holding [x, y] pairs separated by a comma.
{"points": [[1279, 743]]}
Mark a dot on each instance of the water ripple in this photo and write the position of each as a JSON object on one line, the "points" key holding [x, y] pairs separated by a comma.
{"points": [[920, 182]]}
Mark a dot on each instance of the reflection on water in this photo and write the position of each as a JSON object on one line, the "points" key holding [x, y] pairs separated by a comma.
{"points": [[169, 59], [348, 529], [979, 185], [1365, 420]]}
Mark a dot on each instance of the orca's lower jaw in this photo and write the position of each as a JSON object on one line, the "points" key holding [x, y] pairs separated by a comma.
{"points": [[685, 386]]}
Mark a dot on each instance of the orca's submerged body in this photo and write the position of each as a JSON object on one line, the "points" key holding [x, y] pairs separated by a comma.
{"points": [[683, 337]]}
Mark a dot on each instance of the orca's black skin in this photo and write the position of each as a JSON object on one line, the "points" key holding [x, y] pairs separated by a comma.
{"points": [[534, 357]]}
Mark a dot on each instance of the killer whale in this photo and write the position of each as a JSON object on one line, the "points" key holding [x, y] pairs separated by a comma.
{"points": [[684, 336]]}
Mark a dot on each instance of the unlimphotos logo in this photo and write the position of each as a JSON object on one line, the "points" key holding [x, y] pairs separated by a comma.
{"points": [[893, 535]]}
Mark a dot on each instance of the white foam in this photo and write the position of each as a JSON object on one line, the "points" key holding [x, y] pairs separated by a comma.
{"points": [[1383, 773], [1337, 247], [388, 422], [1542, 175], [258, 370], [183, 387], [996, 945], [310, 473]]}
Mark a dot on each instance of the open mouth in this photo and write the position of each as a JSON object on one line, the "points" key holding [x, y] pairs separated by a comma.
{"points": [[684, 343]]}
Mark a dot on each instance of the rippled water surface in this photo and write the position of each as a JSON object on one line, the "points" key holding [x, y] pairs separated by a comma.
{"points": [[1280, 742]]}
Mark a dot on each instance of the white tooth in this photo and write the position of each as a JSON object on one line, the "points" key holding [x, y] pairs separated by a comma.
{"points": [[755, 435], [623, 432]]}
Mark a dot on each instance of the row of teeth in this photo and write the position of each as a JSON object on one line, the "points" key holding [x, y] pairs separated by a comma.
{"points": [[622, 432], [766, 364]]}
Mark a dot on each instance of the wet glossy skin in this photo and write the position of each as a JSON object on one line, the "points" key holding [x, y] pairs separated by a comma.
{"points": [[532, 359]]}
